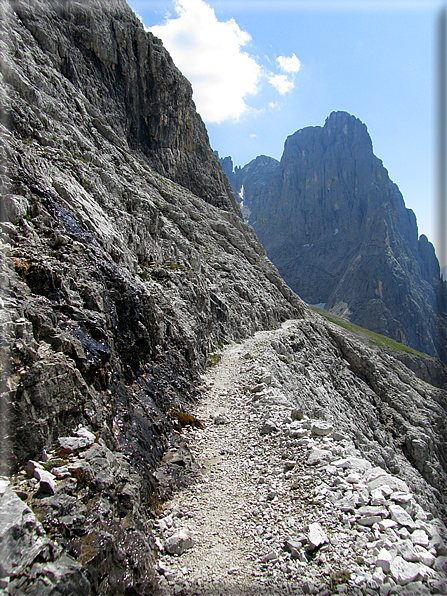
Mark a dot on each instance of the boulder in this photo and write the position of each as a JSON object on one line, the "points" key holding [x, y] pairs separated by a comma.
{"points": [[179, 542]]}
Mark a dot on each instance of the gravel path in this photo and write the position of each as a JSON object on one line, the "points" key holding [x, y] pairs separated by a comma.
{"points": [[258, 491]]}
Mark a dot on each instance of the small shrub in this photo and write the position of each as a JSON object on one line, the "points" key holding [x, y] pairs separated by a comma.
{"points": [[214, 359]]}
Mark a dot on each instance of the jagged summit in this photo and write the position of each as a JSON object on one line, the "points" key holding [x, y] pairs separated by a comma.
{"points": [[338, 230]]}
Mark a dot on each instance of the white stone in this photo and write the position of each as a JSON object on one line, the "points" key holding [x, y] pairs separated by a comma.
{"points": [[403, 572], [426, 557], [84, 432], [353, 478], [379, 575], [377, 497], [373, 510], [384, 559], [316, 536], [426, 572], [356, 463], [74, 443], [419, 537], [407, 552], [320, 428], [378, 478], [385, 524], [31, 468], [399, 515], [316, 456], [368, 520], [401, 497], [403, 532], [420, 513], [47, 482]]}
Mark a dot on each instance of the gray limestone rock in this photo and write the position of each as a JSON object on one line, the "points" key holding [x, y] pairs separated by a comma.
{"points": [[338, 230], [22, 538], [130, 267], [179, 542], [316, 536]]}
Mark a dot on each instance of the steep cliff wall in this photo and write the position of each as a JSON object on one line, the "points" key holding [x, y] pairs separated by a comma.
{"points": [[125, 261], [338, 230]]}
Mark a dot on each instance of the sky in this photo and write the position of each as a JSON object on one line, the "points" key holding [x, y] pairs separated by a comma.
{"points": [[263, 69]]}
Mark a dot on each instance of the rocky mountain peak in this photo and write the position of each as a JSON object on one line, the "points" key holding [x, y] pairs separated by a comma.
{"points": [[338, 230], [340, 129]]}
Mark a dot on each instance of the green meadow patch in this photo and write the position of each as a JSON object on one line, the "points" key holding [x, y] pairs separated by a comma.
{"points": [[369, 337]]}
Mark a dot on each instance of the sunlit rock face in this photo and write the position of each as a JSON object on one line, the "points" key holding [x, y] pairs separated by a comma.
{"points": [[338, 230]]}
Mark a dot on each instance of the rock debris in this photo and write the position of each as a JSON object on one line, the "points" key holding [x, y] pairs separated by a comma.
{"points": [[288, 505]]}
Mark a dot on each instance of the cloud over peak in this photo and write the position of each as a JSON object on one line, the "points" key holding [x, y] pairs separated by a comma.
{"points": [[210, 54]]}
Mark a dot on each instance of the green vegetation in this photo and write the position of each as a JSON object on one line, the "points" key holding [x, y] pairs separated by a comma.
{"points": [[369, 337], [213, 359], [147, 272], [173, 266]]}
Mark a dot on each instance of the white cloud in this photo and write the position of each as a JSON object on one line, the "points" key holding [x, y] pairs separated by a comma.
{"points": [[291, 64], [281, 83], [208, 53]]}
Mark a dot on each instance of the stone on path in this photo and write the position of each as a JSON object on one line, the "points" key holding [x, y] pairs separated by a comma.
{"points": [[321, 429], [384, 559], [179, 542], [377, 478], [317, 536], [316, 456], [399, 515], [419, 537], [403, 572], [356, 463]]}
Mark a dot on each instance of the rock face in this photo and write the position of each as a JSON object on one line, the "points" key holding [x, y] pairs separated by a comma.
{"points": [[125, 266], [125, 261], [337, 228]]}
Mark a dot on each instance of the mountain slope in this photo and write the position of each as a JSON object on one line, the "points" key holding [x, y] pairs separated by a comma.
{"points": [[337, 228], [125, 267]]}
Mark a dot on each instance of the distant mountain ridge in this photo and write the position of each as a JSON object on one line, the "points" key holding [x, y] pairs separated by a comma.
{"points": [[337, 229]]}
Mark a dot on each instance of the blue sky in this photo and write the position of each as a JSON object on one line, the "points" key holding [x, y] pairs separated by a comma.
{"points": [[262, 69]]}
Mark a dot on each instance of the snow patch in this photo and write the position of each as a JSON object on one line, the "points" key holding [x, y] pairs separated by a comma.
{"points": [[336, 231]]}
